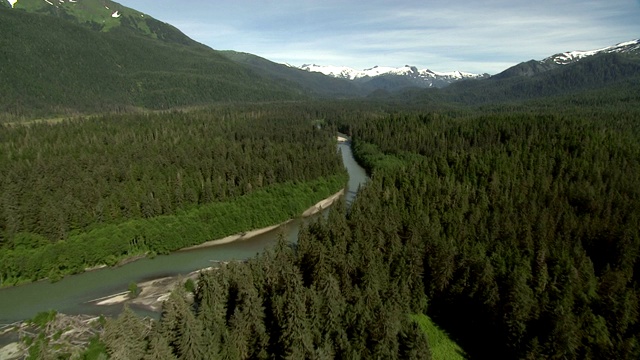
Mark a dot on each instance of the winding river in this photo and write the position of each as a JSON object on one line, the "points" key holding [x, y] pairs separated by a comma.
{"points": [[72, 294]]}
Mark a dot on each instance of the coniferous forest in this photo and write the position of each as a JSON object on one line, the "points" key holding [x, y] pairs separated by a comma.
{"points": [[517, 232], [81, 193]]}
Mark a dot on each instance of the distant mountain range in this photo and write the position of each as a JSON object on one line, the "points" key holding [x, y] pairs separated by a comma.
{"points": [[423, 78], [86, 56]]}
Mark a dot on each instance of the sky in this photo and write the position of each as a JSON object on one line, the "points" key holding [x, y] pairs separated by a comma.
{"points": [[472, 35]]}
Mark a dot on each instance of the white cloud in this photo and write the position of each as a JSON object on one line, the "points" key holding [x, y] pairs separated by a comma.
{"points": [[443, 35]]}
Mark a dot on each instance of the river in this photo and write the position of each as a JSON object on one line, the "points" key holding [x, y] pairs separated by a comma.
{"points": [[72, 294]]}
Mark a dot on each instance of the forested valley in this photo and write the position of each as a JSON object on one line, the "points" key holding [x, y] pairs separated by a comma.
{"points": [[504, 211], [516, 231], [85, 192]]}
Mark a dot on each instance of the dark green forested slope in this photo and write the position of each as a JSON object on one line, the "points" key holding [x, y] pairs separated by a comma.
{"points": [[84, 192], [54, 66]]}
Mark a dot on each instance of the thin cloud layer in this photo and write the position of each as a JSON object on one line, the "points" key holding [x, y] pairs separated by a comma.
{"points": [[471, 36]]}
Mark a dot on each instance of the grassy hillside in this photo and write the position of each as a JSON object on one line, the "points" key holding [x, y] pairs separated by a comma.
{"points": [[54, 66]]}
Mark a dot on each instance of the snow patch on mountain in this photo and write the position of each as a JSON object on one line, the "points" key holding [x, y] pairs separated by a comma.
{"points": [[572, 56], [13, 2], [420, 77], [353, 74], [116, 14]]}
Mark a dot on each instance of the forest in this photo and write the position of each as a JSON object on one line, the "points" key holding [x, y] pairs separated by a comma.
{"points": [[529, 225], [85, 192], [517, 231]]}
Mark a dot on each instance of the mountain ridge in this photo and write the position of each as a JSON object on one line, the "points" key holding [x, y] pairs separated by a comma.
{"points": [[424, 78], [568, 57], [534, 67]]}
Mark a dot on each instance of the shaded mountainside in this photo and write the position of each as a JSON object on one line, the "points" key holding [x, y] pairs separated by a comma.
{"points": [[54, 66], [529, 68]]}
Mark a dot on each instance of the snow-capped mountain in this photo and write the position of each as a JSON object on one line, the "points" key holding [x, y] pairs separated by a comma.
{"points": [[417, 77], [573, 56], [534, 67]]}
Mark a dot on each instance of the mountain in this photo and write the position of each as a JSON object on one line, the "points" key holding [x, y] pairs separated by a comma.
{"points": [[313, 83], [51, 63], [389, 78], [105, 15], [602, 74], [533, 67], [629, 47]]}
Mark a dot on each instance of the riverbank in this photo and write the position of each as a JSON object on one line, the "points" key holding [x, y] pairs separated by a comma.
{"points": [[154, 292], [318, 207]]}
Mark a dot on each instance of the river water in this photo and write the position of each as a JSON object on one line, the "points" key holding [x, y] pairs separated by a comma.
{"points": [[72, 294]]}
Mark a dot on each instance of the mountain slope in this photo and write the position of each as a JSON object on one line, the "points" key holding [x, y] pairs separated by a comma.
{"points": [[75, 69], [312, 83], [105, 15], [533, 67]]}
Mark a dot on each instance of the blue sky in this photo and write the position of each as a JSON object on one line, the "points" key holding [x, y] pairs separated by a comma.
{"points": [[473, 36]]}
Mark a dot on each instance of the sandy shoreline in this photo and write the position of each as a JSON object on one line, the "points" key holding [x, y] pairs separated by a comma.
{"points": [[236, 237], [323, 204], [318, 207]]}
